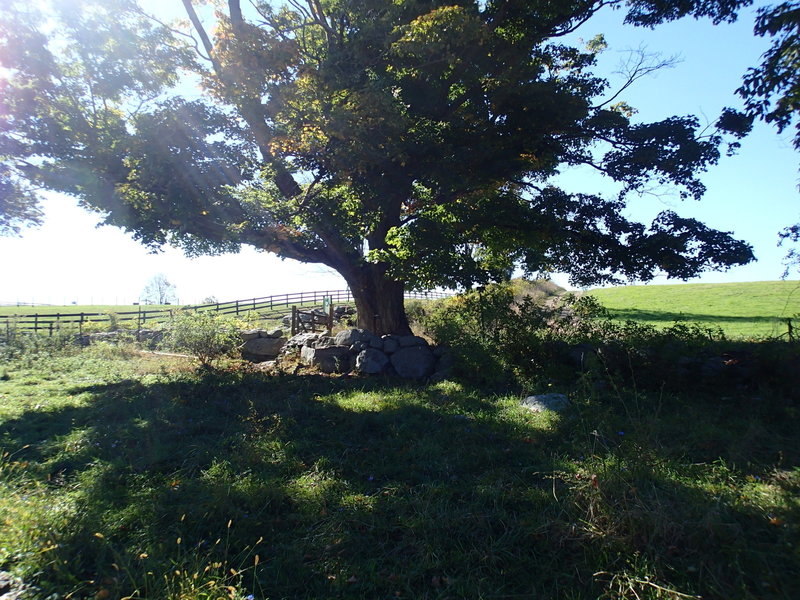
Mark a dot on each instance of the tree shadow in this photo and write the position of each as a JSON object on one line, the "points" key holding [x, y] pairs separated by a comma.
{"points": [[658, 316], [359, 488]]}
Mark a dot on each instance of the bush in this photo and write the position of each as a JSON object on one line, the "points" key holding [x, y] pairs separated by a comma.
{"points": [[497, 340], [16, 343], [207, 336]]}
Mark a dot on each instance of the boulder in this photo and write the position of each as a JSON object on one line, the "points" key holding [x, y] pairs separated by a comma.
{"points": [[390, 344], [371, 361], [409, 341], [444, 365], [542, 402], [413, 362], [348, 337], [302, 339], [323, 341], [250, 334], [334, 359], [262, 349]]}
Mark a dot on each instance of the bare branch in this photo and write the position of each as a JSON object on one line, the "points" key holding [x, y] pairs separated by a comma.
{"points": [[639, 63], [138, 10]]}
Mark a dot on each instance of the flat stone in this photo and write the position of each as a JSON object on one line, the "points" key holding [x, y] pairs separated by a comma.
{"points": [[542, 402], [324, 341], [335, 359], [261, 349], [302, 339], [250, 334], [349, 337]]}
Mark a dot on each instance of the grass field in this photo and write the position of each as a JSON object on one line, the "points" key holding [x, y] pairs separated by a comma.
{"points": [[756, 309], [81, 308], [135, 476]]}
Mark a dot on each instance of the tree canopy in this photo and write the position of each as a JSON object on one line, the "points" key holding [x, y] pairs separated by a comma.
{"points": [[403, 143]]}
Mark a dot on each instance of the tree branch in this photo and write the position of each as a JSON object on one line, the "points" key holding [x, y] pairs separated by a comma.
{"points": [[639, 64]]}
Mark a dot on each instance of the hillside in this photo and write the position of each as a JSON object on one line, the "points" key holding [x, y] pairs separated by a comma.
{"points": [[753, 309]]}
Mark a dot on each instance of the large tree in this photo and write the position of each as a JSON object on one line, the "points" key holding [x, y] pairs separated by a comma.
{"points": [[403, 143]]}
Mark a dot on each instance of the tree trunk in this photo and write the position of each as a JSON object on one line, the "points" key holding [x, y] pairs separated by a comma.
{"points": [[379, 300]]}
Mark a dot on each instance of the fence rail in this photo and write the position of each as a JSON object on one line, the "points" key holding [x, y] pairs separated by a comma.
{"points": [[264, 306]]}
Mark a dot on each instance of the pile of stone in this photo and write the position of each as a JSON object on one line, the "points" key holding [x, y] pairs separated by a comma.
{"points": [[353, 350], [149, 337]]}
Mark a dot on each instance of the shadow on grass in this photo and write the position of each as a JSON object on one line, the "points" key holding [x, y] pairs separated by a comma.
{"points": [[370, 489], [657, 316]]}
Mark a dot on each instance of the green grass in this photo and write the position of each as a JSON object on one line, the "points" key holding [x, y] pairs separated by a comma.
{"points": [[131, 476], [83, 308], [756, 309]]}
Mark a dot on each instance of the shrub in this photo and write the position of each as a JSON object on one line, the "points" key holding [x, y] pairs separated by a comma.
{"points": [[531, 342], [205, 335], [16, 342]]}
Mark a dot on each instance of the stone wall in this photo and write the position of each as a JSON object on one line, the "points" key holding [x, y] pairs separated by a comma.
{"points": [[352, 351]]}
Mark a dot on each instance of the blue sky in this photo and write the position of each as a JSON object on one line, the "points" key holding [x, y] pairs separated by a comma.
{"points": [[753, 194]]}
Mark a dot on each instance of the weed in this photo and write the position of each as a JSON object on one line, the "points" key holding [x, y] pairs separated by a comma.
{"points": [[207, 336]]}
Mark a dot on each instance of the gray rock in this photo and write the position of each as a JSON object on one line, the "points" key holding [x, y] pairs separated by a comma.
{"points": [[390, 344], [302, 339], [13, 588], [348, 337], [272, 333], [414, 362], [440, 375], [335, 359], [542, 402], [409, 341], [250, 334], [149, 335], [371, 361], [261, 349], [323, 341]]}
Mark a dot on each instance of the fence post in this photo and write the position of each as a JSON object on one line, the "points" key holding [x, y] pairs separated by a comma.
{"points": [[294, 321], [36, 323], [80, 325], [237, 308], [330, 318]]}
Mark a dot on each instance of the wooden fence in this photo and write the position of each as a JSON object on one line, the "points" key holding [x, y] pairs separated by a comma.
{"points": [[265, 307]]}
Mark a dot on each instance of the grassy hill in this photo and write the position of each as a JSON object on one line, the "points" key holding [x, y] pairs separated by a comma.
{"points": [[753, 309]]}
